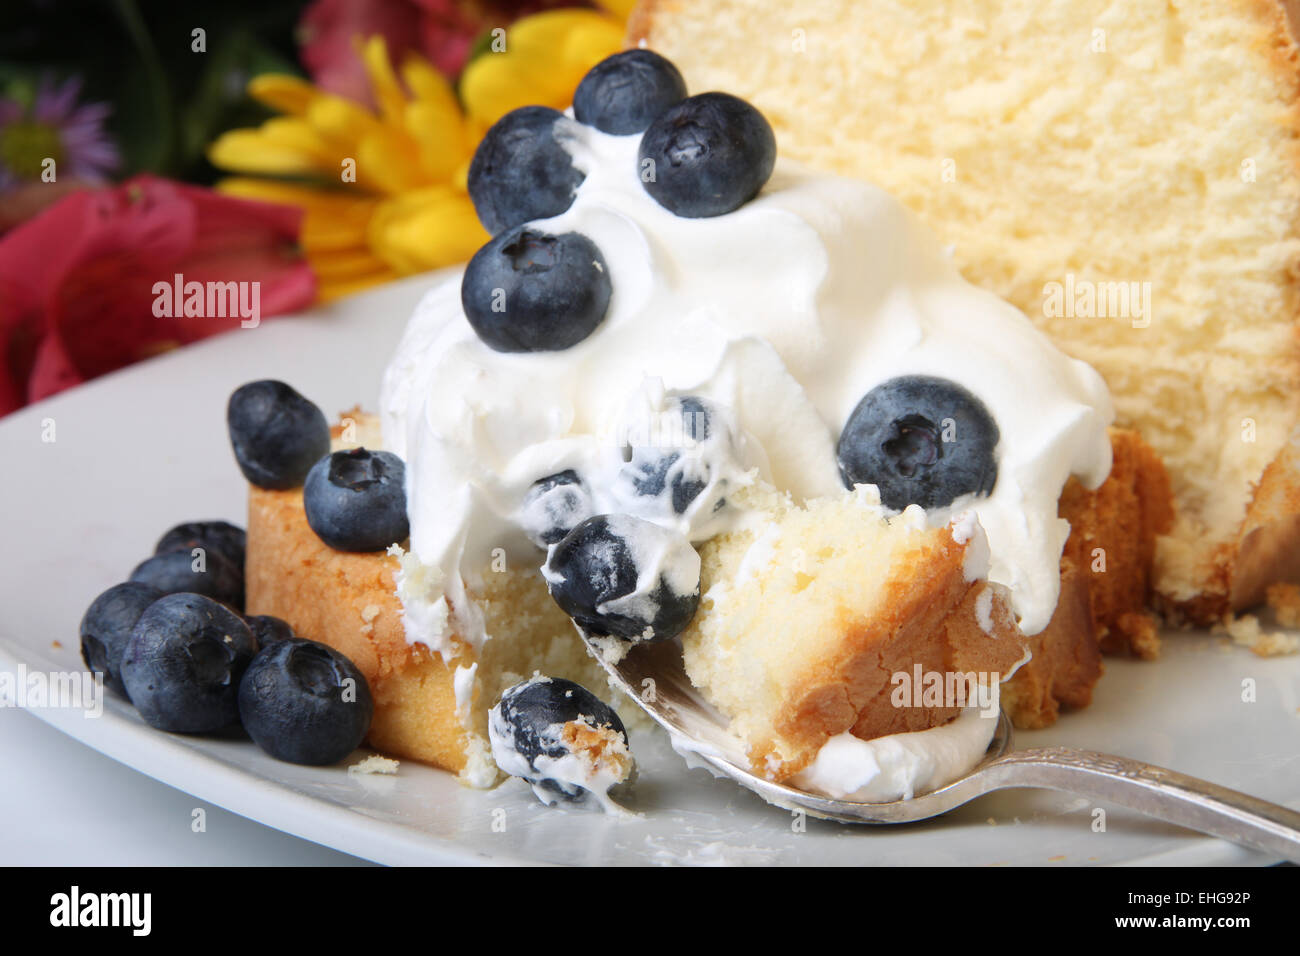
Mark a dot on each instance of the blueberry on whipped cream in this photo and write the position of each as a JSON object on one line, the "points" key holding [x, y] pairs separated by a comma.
{"points": [[553, 506], [707, 156], [675, 456], [529, 291], [562, 739], [355, 500], [521, 170], [623, 577], [106, 627], [921, 440], [277, 435], [623, 93], [183, 662], [304, 702]]}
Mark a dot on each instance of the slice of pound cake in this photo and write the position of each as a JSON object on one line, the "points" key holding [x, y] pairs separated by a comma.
{"points": [[828, 619], [1128, 175]]}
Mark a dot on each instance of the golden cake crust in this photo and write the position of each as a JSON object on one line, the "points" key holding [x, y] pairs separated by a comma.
{"points": [[1105, 585], [349, 601], [1066, 659], [1113, 533]]}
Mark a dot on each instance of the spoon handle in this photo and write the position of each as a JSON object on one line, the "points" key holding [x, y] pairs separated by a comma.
{"points": [[1164, 794]]}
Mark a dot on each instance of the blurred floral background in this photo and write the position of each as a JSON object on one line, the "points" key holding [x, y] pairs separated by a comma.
{"points": [[315, 148]]}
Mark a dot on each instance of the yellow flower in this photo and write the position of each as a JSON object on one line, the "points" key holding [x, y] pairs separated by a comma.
{"points": [[383, 191], [540, 60]]}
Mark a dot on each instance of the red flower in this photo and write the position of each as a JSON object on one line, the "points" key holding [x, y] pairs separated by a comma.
{"points": [[443, 31], [328, 31], [82, 284]]}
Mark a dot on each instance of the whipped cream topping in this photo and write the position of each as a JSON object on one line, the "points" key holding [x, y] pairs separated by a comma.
{"points": [[901, 766], [784, 313]]}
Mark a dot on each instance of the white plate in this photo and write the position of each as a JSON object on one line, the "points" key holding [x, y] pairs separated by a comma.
{"points": [[146, 448]]}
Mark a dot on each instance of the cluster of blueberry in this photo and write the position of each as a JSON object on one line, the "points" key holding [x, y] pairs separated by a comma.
{"points": [[174, 639], [704, 155], [620, 576], [175, 642], [630, 575]]}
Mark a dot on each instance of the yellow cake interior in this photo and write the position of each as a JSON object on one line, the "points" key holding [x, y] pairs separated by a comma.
{"points": [[808, 612]]}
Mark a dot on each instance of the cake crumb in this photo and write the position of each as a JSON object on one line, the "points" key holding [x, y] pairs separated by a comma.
{"points": [[374, 764], [368, 615], [57, 645], [1140, 632], [1245, 631], [611, 649], [1284, 599]]}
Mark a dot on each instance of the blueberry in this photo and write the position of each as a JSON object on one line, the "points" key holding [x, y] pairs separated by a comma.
{"points": [[595, 575], [707, 155], [208, 573], [623, 93], [304, 702], [527, 729], [356, 500], [106, 627], [521, 171], [277, 434], [268, 629], [183, 663], [527, 291], [221, 536], [660, 464], [920, 440], [553, 506]]}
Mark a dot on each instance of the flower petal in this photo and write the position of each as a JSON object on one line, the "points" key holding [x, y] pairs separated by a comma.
{"points": [[251, 151], [291, 132], [384, 84], [544, 59], [340, 121], [428, 85], [282, 92], [346, 265], [426, 229], [388, 161], [336, 289], [622, 9], [443, 140]]}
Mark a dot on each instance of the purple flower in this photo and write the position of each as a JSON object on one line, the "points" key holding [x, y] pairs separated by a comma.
{"points": [[54, 126]]}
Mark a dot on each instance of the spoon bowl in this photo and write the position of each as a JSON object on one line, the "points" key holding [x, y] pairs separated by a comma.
{"points": [[655, 677]]}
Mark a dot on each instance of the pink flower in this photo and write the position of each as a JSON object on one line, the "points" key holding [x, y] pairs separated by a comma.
{"points": [[80, 284]]}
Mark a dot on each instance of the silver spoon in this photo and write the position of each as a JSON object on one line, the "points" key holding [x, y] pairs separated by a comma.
{"points": [[654, 676]]}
